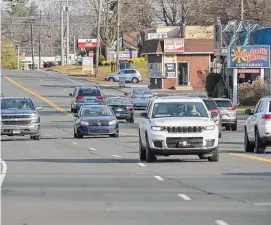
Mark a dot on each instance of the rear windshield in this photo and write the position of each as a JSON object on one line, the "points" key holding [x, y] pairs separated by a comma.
{"points": [[223, 103], [142, 91], [118, 101], [210, 104], [89, 92]]}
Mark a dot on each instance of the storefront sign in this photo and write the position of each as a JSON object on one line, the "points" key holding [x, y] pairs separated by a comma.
{"points": [[87, 65], [170, 58], [170, 70], [174, 45], [248, 71], [250, 56], [154, 70], [152, 36]]}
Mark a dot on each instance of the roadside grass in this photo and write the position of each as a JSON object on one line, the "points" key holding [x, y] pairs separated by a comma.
{"points": [[243, 108]]}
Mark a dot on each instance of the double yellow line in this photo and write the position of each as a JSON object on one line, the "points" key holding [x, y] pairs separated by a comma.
{"points": [[48, 101], [267, 160]]}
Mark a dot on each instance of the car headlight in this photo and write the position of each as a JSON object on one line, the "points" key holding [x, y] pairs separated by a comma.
{"points": [[113, 122], [211, 127], [84, 123], [34, 116], [154, 128]]}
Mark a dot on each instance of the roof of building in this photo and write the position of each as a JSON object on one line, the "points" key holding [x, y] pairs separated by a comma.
{"points": [[130, 40]]}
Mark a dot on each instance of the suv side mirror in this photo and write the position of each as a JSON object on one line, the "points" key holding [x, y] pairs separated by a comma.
{"points": [[214, 114], [126, 94], [39, 108], [248, 112], [144, 115]]}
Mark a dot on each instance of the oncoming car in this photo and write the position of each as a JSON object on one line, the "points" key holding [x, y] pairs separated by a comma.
{"points": [[178, 125], [96, 120]]}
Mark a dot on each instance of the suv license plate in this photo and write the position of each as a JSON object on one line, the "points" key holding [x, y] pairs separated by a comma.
{"points": [[16, 131], [117, 114], [119, 109]]}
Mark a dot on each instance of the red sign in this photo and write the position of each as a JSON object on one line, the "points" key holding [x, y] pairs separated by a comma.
{"points": [[174, 45], [87, 43], [248, 71]]}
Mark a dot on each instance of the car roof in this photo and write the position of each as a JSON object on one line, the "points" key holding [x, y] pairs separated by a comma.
{"points": [[17, 98], [94, 106], [222, 99], [177, 99], [89, 87], [267, 97], [117, 97]]}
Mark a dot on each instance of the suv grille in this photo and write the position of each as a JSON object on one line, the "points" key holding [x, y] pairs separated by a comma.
{"points": [[184, 129], [187, 142], [22, 122], [16, 116]]}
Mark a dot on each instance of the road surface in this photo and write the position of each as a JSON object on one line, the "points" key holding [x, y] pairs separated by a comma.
{"points": [[60, 180]]}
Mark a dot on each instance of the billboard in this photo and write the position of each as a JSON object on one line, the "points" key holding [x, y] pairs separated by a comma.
{"points": [[174, 45], [250, 56], [87, 43]]}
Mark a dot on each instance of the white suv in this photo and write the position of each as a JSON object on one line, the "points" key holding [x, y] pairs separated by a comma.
{"points": [[178, 125], [258, 127]]}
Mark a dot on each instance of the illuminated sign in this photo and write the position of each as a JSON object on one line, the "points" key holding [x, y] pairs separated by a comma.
{"points": [[250, 56]]}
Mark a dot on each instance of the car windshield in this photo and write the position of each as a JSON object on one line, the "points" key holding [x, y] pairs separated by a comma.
{"points": [[97, 111], [13, 104], [118, 101], [223, 103], [210, 104], [89, 92], [142, 91], [182, 109]]}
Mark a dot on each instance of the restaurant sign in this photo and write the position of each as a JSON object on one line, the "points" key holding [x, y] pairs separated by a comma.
{"points": [[250, 56], [174, 45]]}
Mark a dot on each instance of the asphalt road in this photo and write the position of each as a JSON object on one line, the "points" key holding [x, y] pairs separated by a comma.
{"points": [[60, 180]]}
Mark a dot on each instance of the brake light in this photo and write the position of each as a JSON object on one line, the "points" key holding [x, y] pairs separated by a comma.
{"points": [[215, 110], [79, 97], [99, 97], [231, 108], [129, 107], [133, 96], [267, 116]]}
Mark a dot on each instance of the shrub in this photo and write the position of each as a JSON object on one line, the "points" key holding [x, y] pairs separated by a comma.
{"points": [[141, 59], [105, 63], [249, 93], [9, 58], [101, 59], [211, 82]]}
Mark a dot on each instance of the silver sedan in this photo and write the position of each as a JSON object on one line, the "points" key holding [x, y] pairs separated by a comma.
{"points": [[140, 97]]}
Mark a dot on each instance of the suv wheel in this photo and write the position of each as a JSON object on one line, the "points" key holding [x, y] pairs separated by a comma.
{"points": [[135, 80], [259, 145], [215, 156], [111, 79], [150, 157], [249, 147], [36, 137], [132, 120], [142, 152], [234, 127], [228, 127], [72, 110], [114, 135]]}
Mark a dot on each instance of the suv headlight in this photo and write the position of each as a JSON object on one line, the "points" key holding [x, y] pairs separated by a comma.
{"points": [[34, 116], [113, 122], [155, 128], [211, 127], [84, 123]]}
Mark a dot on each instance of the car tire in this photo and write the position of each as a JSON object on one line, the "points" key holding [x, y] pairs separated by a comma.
{"points": [[71, 110], [36, 137], [80, 136], [228, 127], [215, 156], [220, 135], [31, 137], [150, 157], [132, 120], [135, 80], [249, 147], [234, 127], [201, 156], [142, 152], [111, 79], [114, 135], [75, 135], [259, 145]]}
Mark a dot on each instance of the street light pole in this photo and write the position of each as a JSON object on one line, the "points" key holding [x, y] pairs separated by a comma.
{"points": [[18, 56], [118, 35], [40, 43], [67, 35], [98, 39], [62, 32], [242, 10], [32, 44]]}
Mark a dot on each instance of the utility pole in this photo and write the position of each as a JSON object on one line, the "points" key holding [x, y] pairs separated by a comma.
{"points": [[118, 35], [18, 56], [242, 10], [40, 43], [62, 32], [74, 47], [98, 39], [67, 34], [32, 44]]}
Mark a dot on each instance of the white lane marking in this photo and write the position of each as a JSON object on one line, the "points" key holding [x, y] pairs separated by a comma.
{"points": [[93, 149], [74, 81], [159, 178], [141, 164], [262, 203], [3, 171], [117, 156], [221, 222], [74, 143], [184, 197]]}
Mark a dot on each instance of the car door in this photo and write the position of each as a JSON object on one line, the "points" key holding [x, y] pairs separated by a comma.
{"points": [[252, 120], [128, 75], [144, 123]]}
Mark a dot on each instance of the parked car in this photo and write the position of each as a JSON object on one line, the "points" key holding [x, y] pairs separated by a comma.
{"points": [[131, 75], [258, 127], [212, 107], [85, 95], [122, 108], [177, 125], [228, 113], [96, 120], [20, 117], [140, 97]]}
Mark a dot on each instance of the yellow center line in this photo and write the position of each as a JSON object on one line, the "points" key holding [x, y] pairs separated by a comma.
{"points": [[267, 160], [50, 102]]}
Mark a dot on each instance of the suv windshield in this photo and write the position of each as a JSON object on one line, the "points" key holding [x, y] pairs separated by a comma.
{"points": [[183, 109], [223, 103], [97, 111], [118, 101], [142, 91], [13, 104], [89, 92], [210, 104]]}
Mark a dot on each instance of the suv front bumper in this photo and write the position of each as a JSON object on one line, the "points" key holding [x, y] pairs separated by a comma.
{"points": [[32, 129]]}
